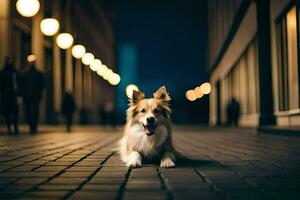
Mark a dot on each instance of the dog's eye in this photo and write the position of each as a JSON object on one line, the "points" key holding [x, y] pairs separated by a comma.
{"points": [[143, 110], [156, 111]]}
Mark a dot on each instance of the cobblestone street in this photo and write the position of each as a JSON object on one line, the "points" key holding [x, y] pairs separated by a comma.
{"points": [[224, 164]]}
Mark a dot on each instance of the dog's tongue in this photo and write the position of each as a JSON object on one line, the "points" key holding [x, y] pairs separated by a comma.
{"points": [[149, 130]]}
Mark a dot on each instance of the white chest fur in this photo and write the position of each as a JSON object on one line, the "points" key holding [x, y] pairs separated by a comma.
{"points": [[146, 145]]}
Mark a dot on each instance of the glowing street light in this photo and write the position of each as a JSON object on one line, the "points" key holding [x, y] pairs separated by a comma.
{"points": [[114, 79], [205, 88], [28, 8], [190, 95], [101, 70], [31, 58], [78, 51], [64, 40], [198, 92], [107, 74], [95, 64], [49, 26], [129, 90], [87, 58]]}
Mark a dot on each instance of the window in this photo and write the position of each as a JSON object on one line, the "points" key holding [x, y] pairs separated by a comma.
{"points": [[288, 85]]}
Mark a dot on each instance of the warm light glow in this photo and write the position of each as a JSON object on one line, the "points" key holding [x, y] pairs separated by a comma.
{"points": [[95, 65], [31, 58], [190, 95], [198, 92], [129, 90], [205, 88], [64, 40], [28, 8], [87, 58], [114, 79], [107, 74], [101, 70], [291, 19], [78, 51], [49, 26]]}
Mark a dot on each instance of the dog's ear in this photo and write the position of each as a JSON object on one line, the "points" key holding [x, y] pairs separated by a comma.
{"points": [[136, 96], [162, 94]]}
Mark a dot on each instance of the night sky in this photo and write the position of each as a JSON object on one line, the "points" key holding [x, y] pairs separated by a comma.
{"points": [[162, 43]]}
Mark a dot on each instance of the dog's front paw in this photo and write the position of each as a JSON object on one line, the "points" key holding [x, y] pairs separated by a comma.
{"points": [[134, 160], [167, 163]]}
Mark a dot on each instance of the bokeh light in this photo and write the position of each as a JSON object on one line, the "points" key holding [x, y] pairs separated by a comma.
{"points": [[78, 51], [49, 26], [31, 58], [28, 8], [198, 92], [87, 58], [95, 64], [129, 90], [101, 70], [107, 74], [205, 88], [190, 95], [114, 79], [64, 40]]}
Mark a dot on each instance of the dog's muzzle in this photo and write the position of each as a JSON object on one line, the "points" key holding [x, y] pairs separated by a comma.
{"points": [[150, 126]]}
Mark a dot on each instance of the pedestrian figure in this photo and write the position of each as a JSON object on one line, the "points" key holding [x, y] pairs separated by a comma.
{"points": [[32, 86], [68, 107], [233, 112], [9, 88]]}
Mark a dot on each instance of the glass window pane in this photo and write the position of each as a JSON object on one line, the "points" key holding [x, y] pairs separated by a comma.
{"points": [[291, 24]]}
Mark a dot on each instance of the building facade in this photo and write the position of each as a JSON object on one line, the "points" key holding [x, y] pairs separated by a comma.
{"points": [[90, 26], [253, 57]]}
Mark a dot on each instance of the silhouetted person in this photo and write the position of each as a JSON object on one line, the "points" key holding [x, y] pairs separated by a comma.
{"points": [[233, 112], [68, 107], [9, 88], [32, 86]]}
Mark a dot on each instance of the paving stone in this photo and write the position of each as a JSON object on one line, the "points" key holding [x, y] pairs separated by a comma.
{"points": [[91, 195], [107, 187], [144, 195], [106, 174], [220, 165], [76, 174], [67, 181], [51, 194], [50, 169], [101, 181], [30, 180], [58, 187], [82, 169], [196, 194]]}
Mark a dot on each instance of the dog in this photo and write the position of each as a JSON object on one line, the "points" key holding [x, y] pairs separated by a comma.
{"points": [[147, 132]]}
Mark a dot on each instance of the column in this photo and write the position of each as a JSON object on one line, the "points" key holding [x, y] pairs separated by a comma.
{"points": [[264, 61], [37, 45], [4, 30], [57, 90], [78, 84], [69, 63], [87, 89], [37, 38]]}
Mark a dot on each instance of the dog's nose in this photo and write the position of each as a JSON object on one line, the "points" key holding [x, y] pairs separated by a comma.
{"points": [[151, 120]]}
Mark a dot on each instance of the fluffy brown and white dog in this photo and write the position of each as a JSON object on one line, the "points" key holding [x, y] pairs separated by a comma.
{"points": [[147, 134]]}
